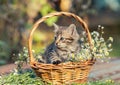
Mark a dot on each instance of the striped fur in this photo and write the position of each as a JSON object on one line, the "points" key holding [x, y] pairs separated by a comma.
{"points": [[64, 45]]}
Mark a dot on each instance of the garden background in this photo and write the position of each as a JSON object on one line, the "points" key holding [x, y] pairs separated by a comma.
{"points": [[18, 16]]}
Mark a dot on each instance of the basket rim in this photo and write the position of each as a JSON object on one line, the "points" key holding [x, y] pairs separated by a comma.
{"points": [[37, 23], [65, 65]]}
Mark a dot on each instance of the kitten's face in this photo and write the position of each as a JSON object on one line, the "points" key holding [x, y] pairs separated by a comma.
{"points": [[65, 36]]}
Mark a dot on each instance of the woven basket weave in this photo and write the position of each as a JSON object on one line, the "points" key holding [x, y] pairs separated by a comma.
{"points": [[63, 73]]}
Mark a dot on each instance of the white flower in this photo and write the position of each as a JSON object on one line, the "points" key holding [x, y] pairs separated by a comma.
{"points": [[24, 48], [95, 34], [33, 51], [100, 51], [94, 49], [82, 45], [102, 32], [98, 55], [13, 54], [25, 55], [99, 26], [15, 72], [84, 33], [26, 51], [109, 45], [102, 39], [102, 60], [106, 53], [82, 39], [102, 27], [111, 39], [16, 62], [110, 50], [96, 38], [19, 54], [93, 41]]}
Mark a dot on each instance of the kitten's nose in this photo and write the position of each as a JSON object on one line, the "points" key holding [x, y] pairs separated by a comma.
{"points": [[56, 43]]}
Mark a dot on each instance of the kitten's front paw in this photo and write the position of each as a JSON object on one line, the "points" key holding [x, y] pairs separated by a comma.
{"points": [[56, 62], [41, 61]]}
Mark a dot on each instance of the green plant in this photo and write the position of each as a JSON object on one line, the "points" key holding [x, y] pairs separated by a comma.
{"points": [[26, 78], [22, 57], [100, 49], [103, 82]]}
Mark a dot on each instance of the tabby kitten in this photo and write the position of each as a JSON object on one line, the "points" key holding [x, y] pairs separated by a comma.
{"points": [[64, 45]]}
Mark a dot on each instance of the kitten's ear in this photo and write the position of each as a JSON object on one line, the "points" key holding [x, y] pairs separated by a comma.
{"points": [[72, 29], [56, 27]]}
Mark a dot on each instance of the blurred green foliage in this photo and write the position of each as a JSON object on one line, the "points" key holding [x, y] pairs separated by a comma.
{"points": [[16, 16], [48, 9], [4, 52], [26, 78], [41, 40]]}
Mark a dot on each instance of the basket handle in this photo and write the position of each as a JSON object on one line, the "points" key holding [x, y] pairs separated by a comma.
{"points": [[84, 25]]}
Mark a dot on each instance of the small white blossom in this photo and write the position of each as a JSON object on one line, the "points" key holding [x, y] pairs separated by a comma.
{"points": [[16, 62], [110, 50], [102, 39], [109, 45], [94, 49], [99, 26], [33, 51], [102, 27], [26, 51], [82, 46], [102, 32], [13, 54], [82, 39], [102, 60], [106, 53], [111, 39], [19, 54], [100, 51], [24, 48], [84, 33], [95, 34], [93, 41], [15, 72], [25, 55]]}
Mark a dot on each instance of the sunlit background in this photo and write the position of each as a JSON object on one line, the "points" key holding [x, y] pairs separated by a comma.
{"points": [[18, 16]]}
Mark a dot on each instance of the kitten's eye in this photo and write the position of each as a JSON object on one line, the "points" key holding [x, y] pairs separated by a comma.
{"points": [[69, 40], [55, 37], [61, 38]]}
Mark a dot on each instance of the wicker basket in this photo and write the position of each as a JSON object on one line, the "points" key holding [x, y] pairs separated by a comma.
{"points": [[64, 73]]}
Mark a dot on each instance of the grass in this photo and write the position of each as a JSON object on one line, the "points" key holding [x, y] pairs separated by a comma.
{"points": [[115, 53], [114, 31], [116, 47]]}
